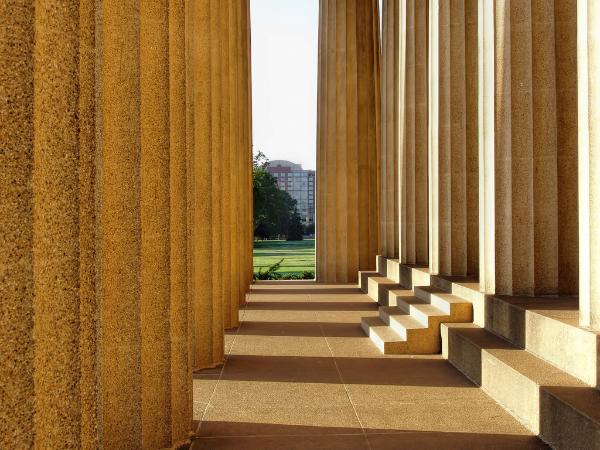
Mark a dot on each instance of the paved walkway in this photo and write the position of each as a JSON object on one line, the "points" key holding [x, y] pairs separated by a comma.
{"points": [[301, 374]]}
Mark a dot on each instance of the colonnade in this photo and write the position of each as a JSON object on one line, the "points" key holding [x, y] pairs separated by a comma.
{"points": [[404, 162], [488, 123], [528, 148], [348, 139], [125, 207]]}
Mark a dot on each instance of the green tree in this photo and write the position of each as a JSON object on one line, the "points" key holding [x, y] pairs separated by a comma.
{"points": [[296, 229], [309, 228], [271, 204], [286, 219]]}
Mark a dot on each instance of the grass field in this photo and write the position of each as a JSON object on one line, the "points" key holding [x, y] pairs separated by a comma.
{"points": [[297, 255]]}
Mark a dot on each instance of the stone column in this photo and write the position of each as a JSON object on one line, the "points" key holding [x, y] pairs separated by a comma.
{"points": [[17, 368], [89, 214], [413, 176], [448, 157], [524, 229], [225, 188], [235, 225], [155, 214], [121, 341], [181, 369], [348, 139], [391, 98], [245, 148], [207, 165], [565, 22], [56, 225], [588, 64], [472, 134]]}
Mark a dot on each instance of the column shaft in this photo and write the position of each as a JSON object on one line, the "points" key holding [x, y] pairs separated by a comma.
{"points": [[532, 101], [448, 155], [421, 226], [565, 17], [180, 369], [236, 227], [487, 142], [407, 166], [347, 150], [208, 146], [121, 345], [155, 212], [390, 128], [56, 226], [225, 190], [89, 214], [472, 95], [17, 429], [588, 64]]}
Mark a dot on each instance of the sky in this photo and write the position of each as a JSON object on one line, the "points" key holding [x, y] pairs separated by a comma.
{"points": [[285, 38], [285, 35]]}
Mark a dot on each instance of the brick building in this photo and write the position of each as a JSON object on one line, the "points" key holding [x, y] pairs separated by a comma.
{"points": [[299, 183]]}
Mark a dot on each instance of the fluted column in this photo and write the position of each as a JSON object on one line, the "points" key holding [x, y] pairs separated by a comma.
{"points": [[235, 227], [245, 108], [532, 249], [180, 326], [207, 165], [121, 226], [450, 208], [588, 64], [413, 164], [347, 139], [392, 96], [108, 155], [155, 215]]}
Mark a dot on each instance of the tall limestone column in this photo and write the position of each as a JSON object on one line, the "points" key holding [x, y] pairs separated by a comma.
{"points": [[180, 317], [451, 154], [56, 305], [155, 214], [525, 248], [208, 294], [347, 139], [588, 64], [392, 119], [245, 108], [412, 131]]}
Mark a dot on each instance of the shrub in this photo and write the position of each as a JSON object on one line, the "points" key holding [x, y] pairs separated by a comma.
{"points": [[271, 274]]}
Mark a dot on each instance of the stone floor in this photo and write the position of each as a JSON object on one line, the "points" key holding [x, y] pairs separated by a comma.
{"points": [[301, 374]]}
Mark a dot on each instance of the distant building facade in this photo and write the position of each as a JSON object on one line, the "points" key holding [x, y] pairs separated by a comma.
{"points": [[297, 182]]}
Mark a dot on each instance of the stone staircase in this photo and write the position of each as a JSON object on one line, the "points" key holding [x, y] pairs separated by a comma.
{"points": [[410, 317], [528, 354]]}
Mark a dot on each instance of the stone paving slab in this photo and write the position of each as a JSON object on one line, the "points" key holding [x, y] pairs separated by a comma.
{"points": [[300, 374]]}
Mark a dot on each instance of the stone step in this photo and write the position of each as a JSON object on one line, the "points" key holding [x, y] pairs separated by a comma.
{"points": [[563, 410], [400, 321], [460, 309], [466, 288], [389, 268], [381, 334], [548, 328], [416, 320], [419, 339], [381, 289]]}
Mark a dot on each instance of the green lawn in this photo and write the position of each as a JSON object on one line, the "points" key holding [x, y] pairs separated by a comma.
{"points": [[297, 255]]}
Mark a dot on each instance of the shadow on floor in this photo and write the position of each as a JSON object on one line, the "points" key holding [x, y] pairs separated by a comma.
{"points": [[250, 436]]}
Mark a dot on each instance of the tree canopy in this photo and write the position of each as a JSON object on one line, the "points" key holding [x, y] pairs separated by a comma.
{"points": [[274, 208]]}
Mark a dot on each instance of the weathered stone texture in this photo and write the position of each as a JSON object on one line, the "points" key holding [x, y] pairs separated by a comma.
{"points": [[99, 178], [348, 140]]}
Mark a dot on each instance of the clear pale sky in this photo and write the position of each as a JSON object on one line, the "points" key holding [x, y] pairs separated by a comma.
{"points": [[285, 38]]}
